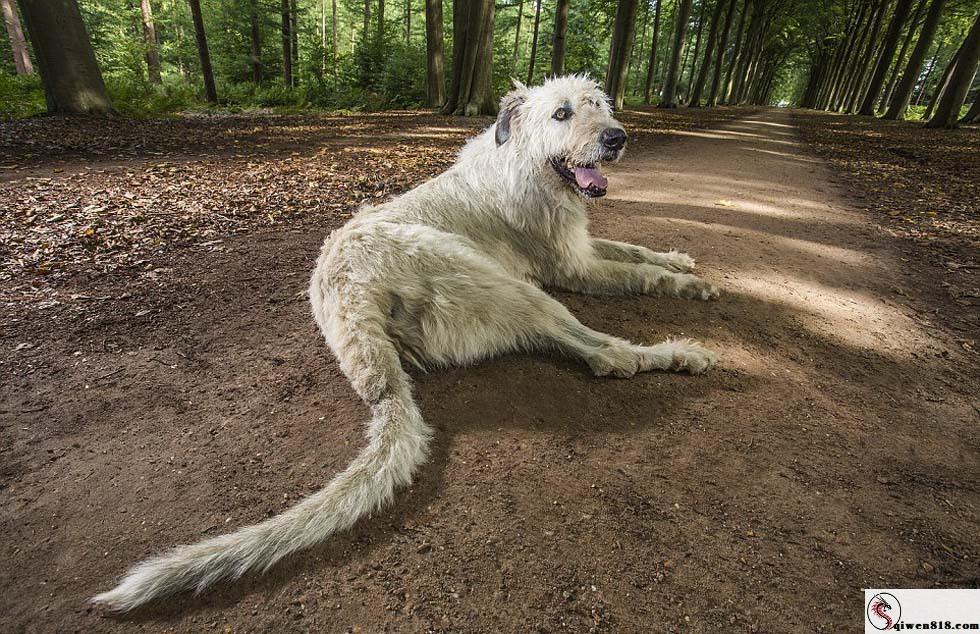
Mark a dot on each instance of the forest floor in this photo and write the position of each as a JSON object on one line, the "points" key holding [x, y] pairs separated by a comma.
{"points": [[163, 382]]}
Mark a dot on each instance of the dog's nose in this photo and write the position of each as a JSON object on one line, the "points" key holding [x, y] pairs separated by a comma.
{"points": [[613, 138]]}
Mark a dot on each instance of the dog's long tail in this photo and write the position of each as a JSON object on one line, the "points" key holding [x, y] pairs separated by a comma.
{"points": [[397, 444]]}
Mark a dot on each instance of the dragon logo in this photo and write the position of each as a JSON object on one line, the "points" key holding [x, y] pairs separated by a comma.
{"points": [[884, 611]]}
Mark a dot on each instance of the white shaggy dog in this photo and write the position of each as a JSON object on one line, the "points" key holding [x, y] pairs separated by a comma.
{"points": [[450, 273]]}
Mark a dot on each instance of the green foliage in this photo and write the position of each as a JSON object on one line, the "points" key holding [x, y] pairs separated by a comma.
{"points": [[20, 96], [137, 98], [385, 67]]}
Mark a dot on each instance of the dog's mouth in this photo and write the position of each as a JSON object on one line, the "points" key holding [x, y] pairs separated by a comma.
{"points": [[586, 179]]}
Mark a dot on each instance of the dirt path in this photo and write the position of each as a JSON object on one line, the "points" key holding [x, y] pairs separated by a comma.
{"points": [[833, 448]]}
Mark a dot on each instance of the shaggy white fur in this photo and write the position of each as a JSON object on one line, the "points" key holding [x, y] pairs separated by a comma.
{"points": [[450, 273]]}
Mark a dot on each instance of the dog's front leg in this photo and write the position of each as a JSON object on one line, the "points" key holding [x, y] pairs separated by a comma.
{"points": [[596, 276], [622, 252]]}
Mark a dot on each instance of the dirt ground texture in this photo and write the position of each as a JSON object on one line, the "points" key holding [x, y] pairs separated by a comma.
{"points": [[157, 399]]}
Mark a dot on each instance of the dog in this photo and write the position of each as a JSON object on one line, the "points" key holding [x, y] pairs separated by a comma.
{"points": [[447, 274]]}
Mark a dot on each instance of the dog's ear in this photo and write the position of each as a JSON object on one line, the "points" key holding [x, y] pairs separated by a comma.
{"points": [[508, 109]]}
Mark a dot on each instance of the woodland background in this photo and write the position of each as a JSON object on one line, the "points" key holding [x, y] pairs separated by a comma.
{"points": [[900, 58]]}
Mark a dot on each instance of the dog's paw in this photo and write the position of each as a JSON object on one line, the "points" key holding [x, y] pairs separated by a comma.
{"points": [[678, 262], [689, 356], [693, 287]]}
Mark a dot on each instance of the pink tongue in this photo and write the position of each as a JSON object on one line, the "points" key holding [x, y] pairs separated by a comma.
{"points": [[586, 176]]}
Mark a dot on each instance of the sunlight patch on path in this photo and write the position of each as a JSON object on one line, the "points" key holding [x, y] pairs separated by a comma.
{"points": [[851, 317]]}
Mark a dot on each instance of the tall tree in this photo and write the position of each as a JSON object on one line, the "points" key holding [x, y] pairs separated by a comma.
{"points": [[558, 40], [652, 64], [70, 75], [948, 108], [471, 89], [842, 58], [435, 75], [737, 51], [973, 114], [333, 27], [702, 6], [720, 55], [941, 86], [680, 31], [923, 85], [517, 36], [287, 45], [210, 92], [639, 43], [901, 14], [903, 92], [367, 19], [255, 40], [294, 33], [22, 61], [900, 59], [408, 21], [753, 35], [534, 42], [152, 47], [863, 66], [619, 51], [851, 68], [708, 49]]}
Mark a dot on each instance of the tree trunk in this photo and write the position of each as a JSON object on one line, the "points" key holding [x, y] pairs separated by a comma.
{"points": [[639, 41], [753, 68], [680, 29], [746, 59], [18, 45], [72, 81], [973, 114], [287, 45], [294, 33], [941, 86], [408, 21], [381, 22], [367, 19], [702, 8], [854, 60], [708, 49], [619, 52], [948, 109], [558, 41], [929, 70], [435, 75], [471, 90], [738, 45], [899, 63], [333, 27], [652, 65], [534, 43], [843, 60], [256, 41], [150, 42], [202, 51], [517, 37], [901, 14], [903, 92], [863, 64], [712, 99], [818, 68]]}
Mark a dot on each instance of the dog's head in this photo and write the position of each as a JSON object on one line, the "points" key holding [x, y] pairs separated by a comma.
{"points": [[566, 125]]}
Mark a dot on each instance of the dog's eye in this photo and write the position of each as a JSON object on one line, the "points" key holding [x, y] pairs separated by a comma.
{"points": [[562, 113]]}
